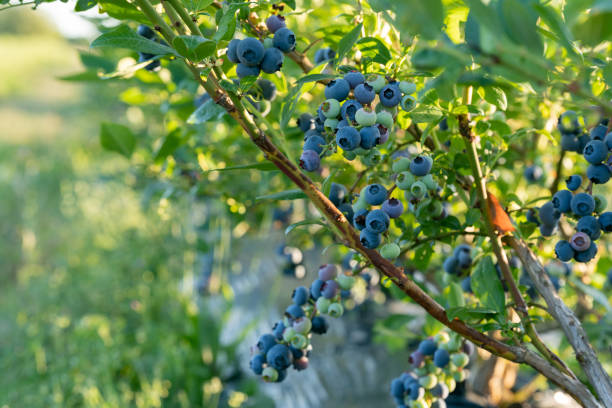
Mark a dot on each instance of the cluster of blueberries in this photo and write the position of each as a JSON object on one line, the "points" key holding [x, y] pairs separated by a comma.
{"points": [[585, 207], [289, 343], [439, 364], [149, 34], [460, 261], [253, 56], [358, 114]]}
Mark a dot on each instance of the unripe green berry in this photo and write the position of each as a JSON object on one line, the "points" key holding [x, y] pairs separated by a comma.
{"points": [[418, 189], [372, 158], [408, 103], [460, 375], [600, 203], [299, 341], [331, 108], [365, 117], [407, 87], [330, 124], [302, 325], [346, 282], [269, 374], [360, 151], [401, 164], [405, 180], [377, 82], [454, 344], [442, 337], [419, 404], [460, 359], [450, 383], [421, 371], [390, 251], [323, 304], [429, 182], [349, 155], [335, 310], [308, 308], [288, 334], [385, 119], [428, 382]]}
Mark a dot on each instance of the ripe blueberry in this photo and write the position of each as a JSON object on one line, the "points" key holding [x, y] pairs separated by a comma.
{"points": [[582, 204], [300, 295], [337, 89], [369, 239], [564, 251], [598, 173], [272, 60], [421, 165], [573, 182], [354, 78], [364, 93], [390, 95], [441, 358], [243, 70], [310, 160], [590, 226], [348, 138], [349, 110], [587, 255], [324, 54], [595, 151], [275, 23], [605, 220], [284, 39], [549, 215], [562, 200], [393, 207], [279, 357], [375, 194]]}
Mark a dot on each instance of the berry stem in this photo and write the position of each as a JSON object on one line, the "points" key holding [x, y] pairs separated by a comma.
{"points": [[182, 12]]}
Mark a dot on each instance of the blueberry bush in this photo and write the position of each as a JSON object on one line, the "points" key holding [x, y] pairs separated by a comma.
{"points": [[459, 148]]}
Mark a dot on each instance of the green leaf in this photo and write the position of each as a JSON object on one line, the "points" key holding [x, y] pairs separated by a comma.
{"points": [[374, 49], [454, 294], [487, 287], [597, 296], [83, 5], [304, 222], [207, 111], [263, 166], [347, 42], [555, 22], [93, 61], [122, 10], [197, 5], [496, 96], [171, 142], [194, 47], [117, 138], [469, 314], [424, 114], [227, 24], [290, 3], [293, 194], [124, 37], [519, 21], [417, 16], [313, 78]]}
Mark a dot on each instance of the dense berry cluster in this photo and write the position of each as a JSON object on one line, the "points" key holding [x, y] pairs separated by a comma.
{"points": [[357, 115], [253, 56], [289, 343], [438, 365], [584, 207], [460, 261], [149, 34]]}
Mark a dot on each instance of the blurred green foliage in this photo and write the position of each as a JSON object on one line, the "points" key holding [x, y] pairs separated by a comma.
{"points": [[97, 299]]}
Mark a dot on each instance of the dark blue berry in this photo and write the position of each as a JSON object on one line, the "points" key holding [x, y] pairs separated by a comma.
{"points": [[232, 51], [300, 295], [598, 173], [250, 51], [570, 143], [272, 60], [369, 239], [243, 70], [337, 193], [427, 347], [421, 165], [416, 391], [531, 216], [275, 23], [278, 329], [369, 136], [348, 138], [590, 226], [441, 358], [349, 109], [573, 182], [315, 288], [265, 89], [549, 215], [375, 194], [315, 142], [568, 122], [466, 284], [451, 265], [605, 220], [360, 219], [595, 151], [533, 173], [257, 363], [377, 221], [599, 132], [310, 160], [347, 210], [354, 78], [294, 312], [564, 251], [330, 289], [390, 96], [284, 39], [364, 93], [608, 141], [547, 230], [324, 54], [393, 207], [279, 357], [562, 200], [319, 325], [337, 89], [145, 31], [587, 255], [582, 204], [266, 342], [397, 388], [305, 122]]}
